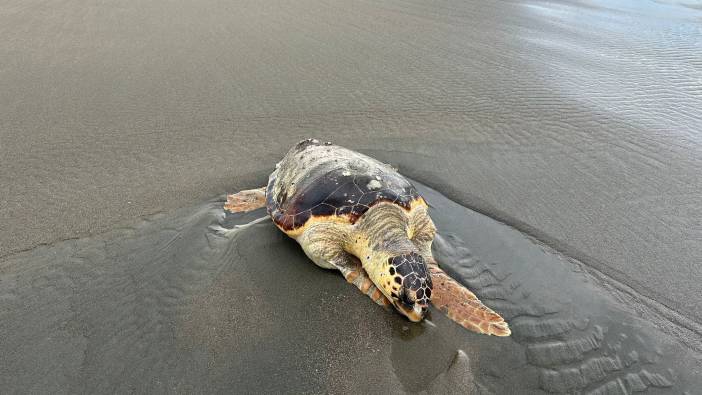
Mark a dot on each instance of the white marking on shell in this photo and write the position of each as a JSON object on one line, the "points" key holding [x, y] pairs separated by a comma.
{"points": [[345, 173], [374, 184]]}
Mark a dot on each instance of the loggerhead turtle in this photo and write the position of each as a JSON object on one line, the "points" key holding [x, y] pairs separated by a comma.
{"points": [[355, 214]]}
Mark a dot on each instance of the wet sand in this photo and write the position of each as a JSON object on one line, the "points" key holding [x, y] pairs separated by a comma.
{"points": [[172, 305], [575, 122]]}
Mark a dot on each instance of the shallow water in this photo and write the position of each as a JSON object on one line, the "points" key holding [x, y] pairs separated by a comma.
{"points": [[171, 305]]}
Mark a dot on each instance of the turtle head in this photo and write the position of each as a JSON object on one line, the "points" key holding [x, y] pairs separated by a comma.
{"points": [[396, 268], [409, 287]]}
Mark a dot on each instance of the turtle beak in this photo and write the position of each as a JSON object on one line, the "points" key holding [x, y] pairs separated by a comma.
{"points": [[414, 314]]}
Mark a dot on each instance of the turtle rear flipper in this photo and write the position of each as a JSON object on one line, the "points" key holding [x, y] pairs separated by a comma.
{"points": [[247, 200], [462, 306]]}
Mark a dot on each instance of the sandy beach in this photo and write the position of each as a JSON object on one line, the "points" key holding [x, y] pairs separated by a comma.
{"points": [[562, 128], [171, 305]]}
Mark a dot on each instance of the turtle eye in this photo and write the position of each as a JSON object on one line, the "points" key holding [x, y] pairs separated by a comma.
{"points": [[407, 300], [406, 297]]}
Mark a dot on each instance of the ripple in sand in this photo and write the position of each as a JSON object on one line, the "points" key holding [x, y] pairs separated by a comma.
{"points": [[172, 305]]}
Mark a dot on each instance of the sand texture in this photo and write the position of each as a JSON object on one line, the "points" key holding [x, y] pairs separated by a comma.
{"points": [[173, 306], [579, 121], [576, 123]]}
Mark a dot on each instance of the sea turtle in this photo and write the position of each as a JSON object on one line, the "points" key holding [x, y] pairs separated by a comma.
{"points": [[352, 213]]}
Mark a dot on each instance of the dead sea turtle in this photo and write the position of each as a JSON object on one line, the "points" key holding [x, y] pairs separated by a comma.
{"points": [[355, 214]]}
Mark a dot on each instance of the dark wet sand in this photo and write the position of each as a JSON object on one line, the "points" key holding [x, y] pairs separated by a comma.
{"points": [[170, 305], [575, 122], [578, 122]]}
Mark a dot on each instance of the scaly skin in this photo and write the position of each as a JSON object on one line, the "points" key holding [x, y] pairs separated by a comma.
{"points": [[386, 231], [462, 306], [247, 200], [380, 239]]}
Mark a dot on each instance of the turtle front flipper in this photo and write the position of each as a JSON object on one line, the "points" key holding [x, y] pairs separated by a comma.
{"points": [[247, 200], [323, 243], [353, 272], [462, 306]]}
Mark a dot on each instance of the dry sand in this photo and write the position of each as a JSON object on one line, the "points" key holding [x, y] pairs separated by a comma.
{"points": [[576, 122]]}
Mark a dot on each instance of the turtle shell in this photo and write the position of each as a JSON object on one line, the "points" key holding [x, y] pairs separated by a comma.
{"points": [[320, 179]]}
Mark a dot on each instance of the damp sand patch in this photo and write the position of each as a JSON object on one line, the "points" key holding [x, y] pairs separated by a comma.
{"points": [[172, 305]]}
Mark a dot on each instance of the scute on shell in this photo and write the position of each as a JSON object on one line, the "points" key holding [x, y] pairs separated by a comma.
{"points": [[319, 179]]}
